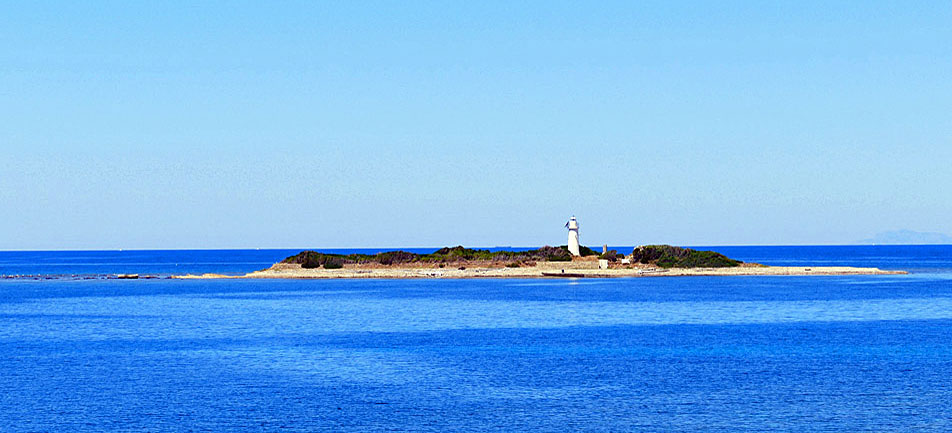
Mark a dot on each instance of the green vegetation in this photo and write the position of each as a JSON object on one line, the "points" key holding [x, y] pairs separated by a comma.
{"points": [[333, 263], [667, 256], [611, 255], [391, 257], [583, 250], [314, 259]]}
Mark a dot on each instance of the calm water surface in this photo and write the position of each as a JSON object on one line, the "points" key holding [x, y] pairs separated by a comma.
{"points": [[859, 353]]}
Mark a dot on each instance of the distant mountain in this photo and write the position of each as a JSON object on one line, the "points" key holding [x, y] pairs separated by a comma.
{"points": [[908, 237]]}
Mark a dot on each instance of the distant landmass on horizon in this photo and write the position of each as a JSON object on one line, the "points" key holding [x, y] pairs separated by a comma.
{"points": [[908, 237]]}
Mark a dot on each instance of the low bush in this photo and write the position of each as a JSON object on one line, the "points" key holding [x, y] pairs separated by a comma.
{"points": [[667, 256], [583, 251], [453, 255], [395, 257], [308, 259]]}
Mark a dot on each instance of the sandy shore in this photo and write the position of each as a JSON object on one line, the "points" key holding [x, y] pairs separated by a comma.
{"points": [[581, 269]]}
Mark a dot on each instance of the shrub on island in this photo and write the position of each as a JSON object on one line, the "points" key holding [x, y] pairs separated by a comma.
{"points": [[309, 259], [667, 256], [460, 253], [611, 255], [582, 251], [457, 254], [396, 257], [553, 254]]}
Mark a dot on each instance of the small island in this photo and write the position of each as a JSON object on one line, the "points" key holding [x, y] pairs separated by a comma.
{"points": [[544, 262]]}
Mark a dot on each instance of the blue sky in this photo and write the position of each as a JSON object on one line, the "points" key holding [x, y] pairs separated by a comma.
{"points": [[376, 124]]}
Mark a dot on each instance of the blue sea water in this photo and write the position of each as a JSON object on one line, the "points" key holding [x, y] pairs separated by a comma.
{"points": [[797, 354]]}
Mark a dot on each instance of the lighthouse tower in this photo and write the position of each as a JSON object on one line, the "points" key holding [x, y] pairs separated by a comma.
{"points": [[572, 225]]}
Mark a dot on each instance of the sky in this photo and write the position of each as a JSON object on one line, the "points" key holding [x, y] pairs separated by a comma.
{"points": [[415, 124]]}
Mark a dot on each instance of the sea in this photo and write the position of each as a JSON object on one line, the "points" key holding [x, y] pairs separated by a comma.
{"points": [[83, 351]]}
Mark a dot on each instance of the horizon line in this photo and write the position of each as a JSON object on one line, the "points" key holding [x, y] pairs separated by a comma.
{"points": [[436, 248]]}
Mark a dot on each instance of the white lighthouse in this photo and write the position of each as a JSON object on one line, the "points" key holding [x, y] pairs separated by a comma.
{"points": [[572, 225]]}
